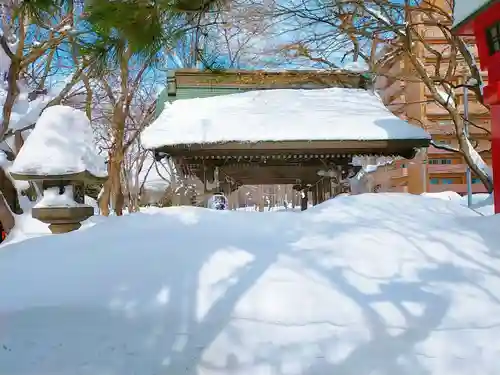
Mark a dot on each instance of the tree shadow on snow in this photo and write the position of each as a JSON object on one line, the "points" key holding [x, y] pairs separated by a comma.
{"points": [[55, 339], [99, 313]]}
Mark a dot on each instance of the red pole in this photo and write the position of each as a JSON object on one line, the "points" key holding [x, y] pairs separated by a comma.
{"points": [[495, 154]]}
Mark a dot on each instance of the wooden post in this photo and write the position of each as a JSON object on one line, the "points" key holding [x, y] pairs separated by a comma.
{"points": [[324, 191], [304, 199]]}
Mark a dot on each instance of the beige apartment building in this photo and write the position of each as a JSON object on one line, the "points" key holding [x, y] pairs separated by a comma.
{"points": [[438, 170]]}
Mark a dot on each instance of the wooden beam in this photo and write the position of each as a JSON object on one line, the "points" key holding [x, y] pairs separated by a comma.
{"points": [[296, 147]]}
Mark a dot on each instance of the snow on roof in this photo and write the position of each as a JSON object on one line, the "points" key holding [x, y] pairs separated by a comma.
{"points": [[463, 9], [278, 115], [386, 284], [61, 143]]}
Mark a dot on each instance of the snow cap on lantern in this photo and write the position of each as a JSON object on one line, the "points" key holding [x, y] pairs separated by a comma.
{"points": [[61, 155]]}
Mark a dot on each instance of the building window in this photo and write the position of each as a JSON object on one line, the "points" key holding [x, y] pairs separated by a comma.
{"points": [[434, 181], [476, 180], [444, 142], [403, 165], [440, 161], [446, 181], [445, 122], [493, 38]]}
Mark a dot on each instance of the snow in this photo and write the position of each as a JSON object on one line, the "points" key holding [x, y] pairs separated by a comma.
{"points": [[273, 115], [382, 284], [66, 28], [26, 227], [445, 195], [363, 181], [377, 14], [447, 98], [25, 112], [4, 59], [6, 165], [479, 161], [61, 143], [155, 175], [473, 81], [482, 203], [357, 66], [52, 198]]}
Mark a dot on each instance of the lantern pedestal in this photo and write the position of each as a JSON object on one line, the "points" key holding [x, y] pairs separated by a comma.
{"points": [[62, 219]]}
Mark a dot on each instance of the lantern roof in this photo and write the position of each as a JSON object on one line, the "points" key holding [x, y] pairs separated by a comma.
{"points": [[466, 10], [60, 147]]}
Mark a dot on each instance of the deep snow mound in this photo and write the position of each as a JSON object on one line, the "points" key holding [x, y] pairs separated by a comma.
{"points": [[446, 195], [382, 284], [482, 203]]}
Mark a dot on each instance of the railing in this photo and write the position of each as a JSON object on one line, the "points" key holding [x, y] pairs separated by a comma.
{"points": [[458, 188], [446, 168]]}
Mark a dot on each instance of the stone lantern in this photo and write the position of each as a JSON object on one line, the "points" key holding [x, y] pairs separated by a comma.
{"points": [[60, 157], [63, 205], [481, 19]]}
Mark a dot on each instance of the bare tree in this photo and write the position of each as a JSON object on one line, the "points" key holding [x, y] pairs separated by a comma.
{"points": [[33, 46], [375, 35]]}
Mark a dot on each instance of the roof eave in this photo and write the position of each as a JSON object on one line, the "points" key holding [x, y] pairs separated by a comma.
{"points": [[456, 28], [398, 147]]}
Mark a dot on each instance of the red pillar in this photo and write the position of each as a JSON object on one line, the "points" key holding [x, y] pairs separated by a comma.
{"points": [[495, 153], [492, 98]]}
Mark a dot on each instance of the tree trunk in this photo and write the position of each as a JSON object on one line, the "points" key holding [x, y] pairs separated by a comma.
{"points": [[104, 198], [6, 215], [8, 194], [117, 197], [465, 147]]}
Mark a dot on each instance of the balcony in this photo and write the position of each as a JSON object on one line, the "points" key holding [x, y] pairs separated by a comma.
{"points": [[434, 129], [434, 150], [446, 168], [475, 109], [458, 188]]}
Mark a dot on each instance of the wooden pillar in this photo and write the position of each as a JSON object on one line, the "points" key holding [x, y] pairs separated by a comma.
{"points": [[324, 192], [314, 195]]}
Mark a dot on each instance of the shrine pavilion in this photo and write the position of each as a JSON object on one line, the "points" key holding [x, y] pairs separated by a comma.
{"points": [[304, 137]]}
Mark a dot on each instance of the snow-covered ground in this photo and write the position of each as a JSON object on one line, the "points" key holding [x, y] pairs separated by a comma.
{"points": [[379, 284], [481, 203], [273, 208]]}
